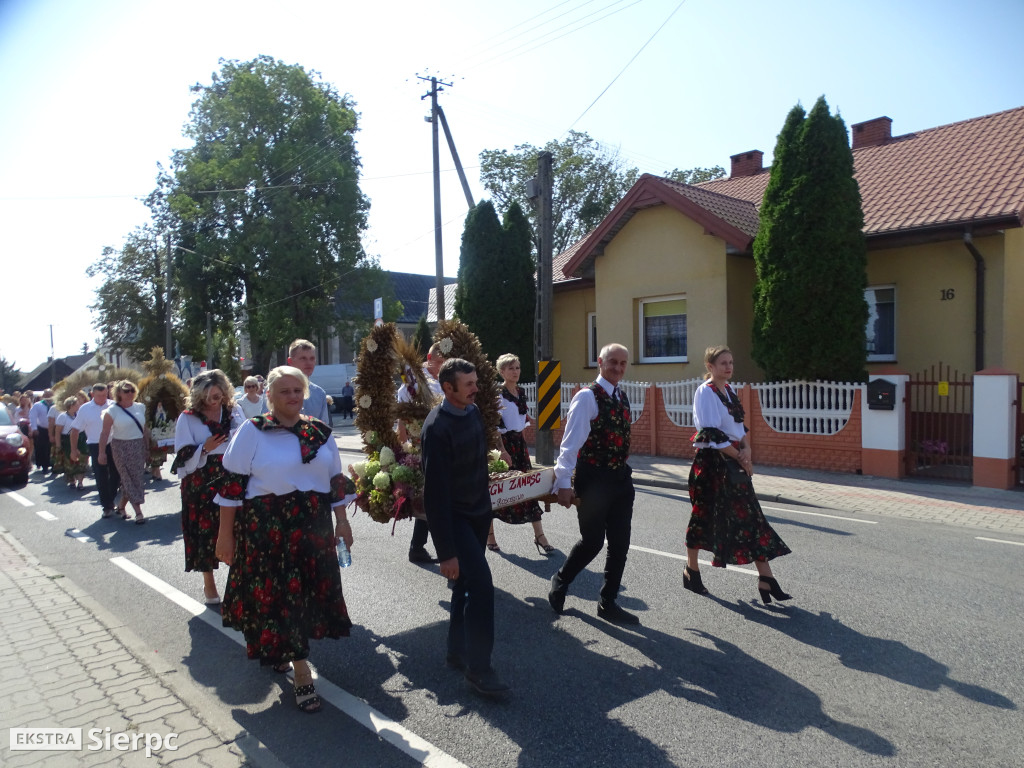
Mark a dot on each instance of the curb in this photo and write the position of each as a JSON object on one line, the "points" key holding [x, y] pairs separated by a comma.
{"points": [[200, 704], [677, 486]]}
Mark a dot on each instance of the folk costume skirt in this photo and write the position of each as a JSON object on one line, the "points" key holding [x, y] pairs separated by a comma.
{"points": [[200, 517], [527, 511], [131, 457], [727, 519], [75, 469], [284, 587]]}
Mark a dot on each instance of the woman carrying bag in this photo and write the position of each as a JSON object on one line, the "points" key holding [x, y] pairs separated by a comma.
{"points": [[727, 519]]}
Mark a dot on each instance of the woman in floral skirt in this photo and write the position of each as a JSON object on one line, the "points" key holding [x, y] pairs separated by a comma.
{"points": [[276, 531], [73, 470], [726, 519], [201, 436], [514, 419]]}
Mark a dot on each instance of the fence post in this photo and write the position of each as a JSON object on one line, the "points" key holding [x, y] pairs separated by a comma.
{"points": [[995, 428], [884, 433]]}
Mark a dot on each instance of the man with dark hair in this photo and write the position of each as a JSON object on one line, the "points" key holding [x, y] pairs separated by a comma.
{"points": [[90, 420], [592, 460], [457, 502]]}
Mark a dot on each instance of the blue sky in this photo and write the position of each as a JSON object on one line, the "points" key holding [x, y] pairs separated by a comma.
{"points": [[95, 94]]}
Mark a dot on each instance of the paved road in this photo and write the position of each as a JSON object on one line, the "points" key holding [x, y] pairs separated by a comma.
{"points": [[902, 646]]}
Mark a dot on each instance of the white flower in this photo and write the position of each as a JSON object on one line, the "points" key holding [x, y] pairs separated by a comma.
{"points": [[494, 455], [365, 401], [382, 481], [387, 457], [371, 345], [446, 346], [359, 468]]}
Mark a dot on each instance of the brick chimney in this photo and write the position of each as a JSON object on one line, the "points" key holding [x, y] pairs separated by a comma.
{"points": [[747, 163], [872, 133]]}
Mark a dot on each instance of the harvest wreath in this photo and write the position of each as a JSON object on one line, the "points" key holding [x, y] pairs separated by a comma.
{"points": [[389, 484]]}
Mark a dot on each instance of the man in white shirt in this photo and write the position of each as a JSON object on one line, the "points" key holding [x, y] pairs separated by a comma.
{"points": [[39, 426], [592, 466], [90, 420], [302, 355], [420, 530]]}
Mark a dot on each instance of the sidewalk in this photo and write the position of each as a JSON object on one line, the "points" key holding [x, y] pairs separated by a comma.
{"points": [[70, 664], [950, 503]]}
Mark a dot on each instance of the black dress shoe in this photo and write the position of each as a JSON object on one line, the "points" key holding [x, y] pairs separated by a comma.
{"points": [[557, 594], [487, 683], [420, 555], [615, 614]]}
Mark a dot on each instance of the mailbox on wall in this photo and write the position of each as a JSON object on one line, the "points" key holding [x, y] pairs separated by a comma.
{"points": [[881, 395]]}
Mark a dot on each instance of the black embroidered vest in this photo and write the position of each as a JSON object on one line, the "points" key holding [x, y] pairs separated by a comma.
{"points": [[608, 442]]}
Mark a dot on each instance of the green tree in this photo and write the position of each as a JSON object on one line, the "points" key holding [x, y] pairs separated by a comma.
{"points": [[265, 204], [588, 183], [423, 338], [478, 302], [9, 375], [517, 291], [130, 307], [696, 175], [810, 256]]}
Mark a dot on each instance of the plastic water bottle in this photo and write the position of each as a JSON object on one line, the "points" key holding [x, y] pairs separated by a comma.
{"points": [[344, 556]]}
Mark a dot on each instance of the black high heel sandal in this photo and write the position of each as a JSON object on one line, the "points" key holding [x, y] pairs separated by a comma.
{"points": [[543, 549], [774, 590], [692, 581]]}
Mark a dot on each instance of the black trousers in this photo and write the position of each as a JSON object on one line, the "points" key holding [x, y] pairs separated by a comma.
{"points": [[605, 511], [471, 630], [42, 446], [108, 480], [420, 531]]}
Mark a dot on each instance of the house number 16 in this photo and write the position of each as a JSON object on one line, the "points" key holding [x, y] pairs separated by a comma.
{"points": [[947, 294]]}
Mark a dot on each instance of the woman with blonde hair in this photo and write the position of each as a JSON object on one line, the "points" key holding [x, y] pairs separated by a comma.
{"points": [[201, 436], [726, 519], [276, 532], [124, 428], [252, 402], [514, 419]]}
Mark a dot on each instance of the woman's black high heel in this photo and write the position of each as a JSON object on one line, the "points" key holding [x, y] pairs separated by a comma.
{"points": [[774, 590], [543, 549], [692, 581]]}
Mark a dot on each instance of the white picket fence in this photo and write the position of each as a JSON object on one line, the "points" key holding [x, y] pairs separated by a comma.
{"points": [[796, 407], [636, 391], [807, 407]]}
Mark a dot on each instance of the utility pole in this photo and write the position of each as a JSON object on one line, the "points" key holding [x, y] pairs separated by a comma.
{"points": [[545, 181], [455, 156], [168, 341], [438, 249], [209, 341]]}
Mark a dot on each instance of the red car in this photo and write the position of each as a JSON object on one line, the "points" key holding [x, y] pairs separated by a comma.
{"points": [[15, 457]]}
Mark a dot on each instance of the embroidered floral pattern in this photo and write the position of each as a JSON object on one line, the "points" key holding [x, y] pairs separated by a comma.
{"points": [[607, 445], [312, 433], [520, 401]]}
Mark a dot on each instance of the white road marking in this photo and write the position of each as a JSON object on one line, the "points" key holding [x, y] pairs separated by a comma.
{"points": [[45, 515], [19, 498], [83, 538], [1001, 541], [384, 727], [674, 556], [821, 514]]}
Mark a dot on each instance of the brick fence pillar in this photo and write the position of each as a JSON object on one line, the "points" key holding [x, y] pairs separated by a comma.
{"points": [[995, 428], [884, 433]]}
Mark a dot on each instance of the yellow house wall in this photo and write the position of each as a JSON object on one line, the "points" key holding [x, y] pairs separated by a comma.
{"points": [[931, 327], [742, 276], [1013, 301], [661, 253], [569, 311]]}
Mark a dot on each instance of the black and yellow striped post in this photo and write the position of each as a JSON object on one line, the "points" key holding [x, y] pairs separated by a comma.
{"points": [[549, 394]]}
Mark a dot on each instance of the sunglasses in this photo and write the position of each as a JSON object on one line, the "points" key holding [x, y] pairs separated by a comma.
{"points": [[251, 386]]}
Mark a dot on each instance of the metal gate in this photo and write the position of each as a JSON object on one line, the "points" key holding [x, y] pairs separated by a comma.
{"points": [[940, 427]]}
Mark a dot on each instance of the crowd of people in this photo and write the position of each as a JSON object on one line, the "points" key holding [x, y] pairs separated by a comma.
{"points": [[263, 491]]}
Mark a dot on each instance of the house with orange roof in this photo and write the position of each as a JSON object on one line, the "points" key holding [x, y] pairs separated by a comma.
{"points": [[670, 270]]}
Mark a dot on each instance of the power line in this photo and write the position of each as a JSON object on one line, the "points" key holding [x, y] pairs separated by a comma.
{"points": [[642, 47]]}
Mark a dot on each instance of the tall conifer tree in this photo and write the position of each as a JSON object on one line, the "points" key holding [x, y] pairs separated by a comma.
{"points": [[519, 289], [809, 307], [480, 268]]}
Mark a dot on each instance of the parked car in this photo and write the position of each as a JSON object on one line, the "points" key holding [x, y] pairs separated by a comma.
{"points": [[15, 457]]}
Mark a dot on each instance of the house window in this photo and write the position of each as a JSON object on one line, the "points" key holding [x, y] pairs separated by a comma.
{"points": [[592, 348], [663, 330], [881, 328]]}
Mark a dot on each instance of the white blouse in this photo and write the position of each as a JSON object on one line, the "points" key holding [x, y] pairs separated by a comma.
{"points": [[709, 411], [249, 408], [123, 427], [192, 430], [511, 419], [64, 421], [273, 461]]}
